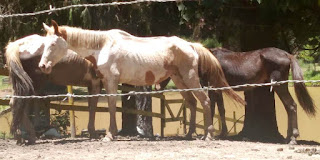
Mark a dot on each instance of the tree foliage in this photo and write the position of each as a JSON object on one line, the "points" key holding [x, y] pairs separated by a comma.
{"points": [[293, 25]]}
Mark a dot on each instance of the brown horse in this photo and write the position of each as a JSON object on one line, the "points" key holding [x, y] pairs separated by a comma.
{"points": [[23, 57], [262, 66]]}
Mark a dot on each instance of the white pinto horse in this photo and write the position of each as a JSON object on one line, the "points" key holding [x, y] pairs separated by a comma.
{"points": [[123, 58], [22, 59]]}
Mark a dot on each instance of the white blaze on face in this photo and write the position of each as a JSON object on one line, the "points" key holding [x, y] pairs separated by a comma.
{"points": [[54, 50]]}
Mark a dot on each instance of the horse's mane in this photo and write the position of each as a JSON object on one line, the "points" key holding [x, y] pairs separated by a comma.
{"points": [[71, 56], [220, 50], [90, 39]]}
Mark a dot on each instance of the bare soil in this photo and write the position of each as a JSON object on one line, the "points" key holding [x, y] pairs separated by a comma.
{"points": [[168, 148]]}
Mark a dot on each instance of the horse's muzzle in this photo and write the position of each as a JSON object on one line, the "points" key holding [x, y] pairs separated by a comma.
{"points": [[45, 67]]}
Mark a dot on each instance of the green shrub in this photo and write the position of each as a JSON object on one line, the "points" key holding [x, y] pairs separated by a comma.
{"points": [[3, 107], [211, 42], [60, 121]]}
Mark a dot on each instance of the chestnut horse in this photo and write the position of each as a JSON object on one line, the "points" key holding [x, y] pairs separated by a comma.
{"points": [[124, 58], [23, 57], [263, 66]]}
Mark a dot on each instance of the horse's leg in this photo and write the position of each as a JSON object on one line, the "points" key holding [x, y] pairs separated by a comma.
{"points": [[291, 108], [36, 121], [28, 126], [219, 99], [190, 101], [205, 102], [94, 88], [111, 86], [213, 99], [15, 122], [192, 81]]}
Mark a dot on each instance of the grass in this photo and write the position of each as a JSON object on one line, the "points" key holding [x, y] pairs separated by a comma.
{"points": [[3, 107], [4, 85], [311, 71], [5, 135], [171, 85]]}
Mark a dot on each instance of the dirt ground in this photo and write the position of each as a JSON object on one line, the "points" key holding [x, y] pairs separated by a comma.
{"points": [[159, 149]]}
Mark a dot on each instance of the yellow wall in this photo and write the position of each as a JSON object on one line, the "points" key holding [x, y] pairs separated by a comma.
{"points": [[5, 121], [309, 127]]}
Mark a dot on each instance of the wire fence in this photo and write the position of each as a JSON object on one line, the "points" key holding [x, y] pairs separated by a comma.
{"points": [[89, 5], [131, 93]]}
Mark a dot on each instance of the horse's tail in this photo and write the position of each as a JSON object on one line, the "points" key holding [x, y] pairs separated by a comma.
{"points": [[302, 93], [209, 65], [17, 109], [20, 80]]}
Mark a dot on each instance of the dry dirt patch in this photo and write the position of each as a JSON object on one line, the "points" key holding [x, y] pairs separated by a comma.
{"points": [[80, 148]]}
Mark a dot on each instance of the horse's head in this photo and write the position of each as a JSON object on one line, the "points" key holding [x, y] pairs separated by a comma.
{"points": [[54, 50]]}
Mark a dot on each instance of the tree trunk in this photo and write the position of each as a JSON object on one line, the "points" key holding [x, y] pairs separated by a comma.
{"points": [[144, 103], [260, 118], [133, 124], [129, 121], [260, 122]]}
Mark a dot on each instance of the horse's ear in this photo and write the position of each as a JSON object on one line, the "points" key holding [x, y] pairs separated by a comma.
{"points": [[46, 27], [56, 27]]}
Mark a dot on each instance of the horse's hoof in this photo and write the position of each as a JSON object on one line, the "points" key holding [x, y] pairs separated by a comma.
{"points": [[94, 136], [188, 137], [31, 142], [222, 136], [20, 141], [245, 139], [207, 138], [108, 137], [293, 142]]}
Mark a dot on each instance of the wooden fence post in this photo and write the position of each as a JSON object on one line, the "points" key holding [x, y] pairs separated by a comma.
{"points": [[184, 118], [72, 116], [163, 113], [219, 122], [234, 122]]}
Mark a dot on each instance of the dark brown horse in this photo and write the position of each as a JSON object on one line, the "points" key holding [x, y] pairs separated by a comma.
{"points": [[262, 66], [27, 79]]}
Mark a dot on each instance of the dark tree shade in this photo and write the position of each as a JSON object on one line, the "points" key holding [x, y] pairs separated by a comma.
{"points": [[260, 122]]}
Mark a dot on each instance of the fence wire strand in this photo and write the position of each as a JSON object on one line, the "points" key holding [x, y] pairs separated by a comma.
{"points": [[89, 5], [131, 93]]}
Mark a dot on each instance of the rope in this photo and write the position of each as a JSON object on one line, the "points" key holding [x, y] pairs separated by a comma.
{"points": [[273, 83], [88, 5]]}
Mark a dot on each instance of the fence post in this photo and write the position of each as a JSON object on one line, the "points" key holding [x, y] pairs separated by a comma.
{"points": [[72, 116], [184, 118], [234, 122], [219, 122], [163, 113]]}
